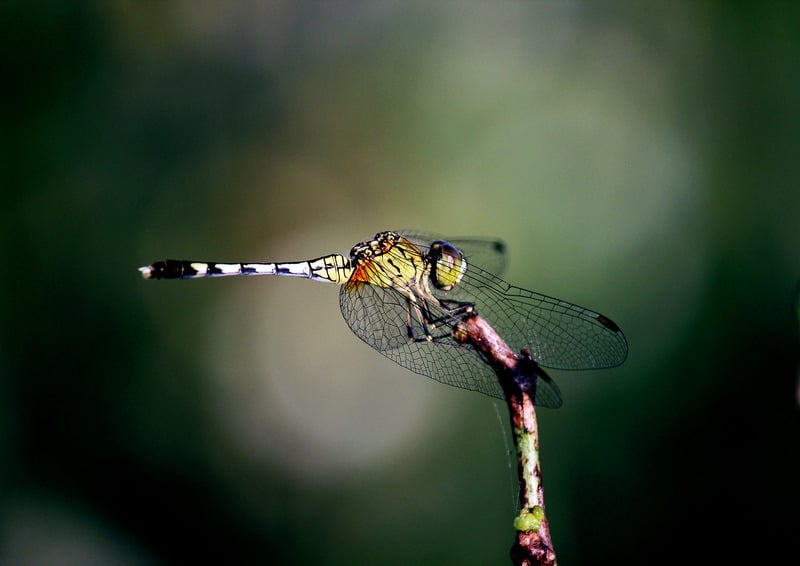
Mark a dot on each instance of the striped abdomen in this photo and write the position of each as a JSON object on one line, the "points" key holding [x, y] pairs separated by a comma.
{"points": [[334, 268]]}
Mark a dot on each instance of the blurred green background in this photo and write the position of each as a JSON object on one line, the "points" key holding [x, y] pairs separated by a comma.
{"points": [[640, 161]]}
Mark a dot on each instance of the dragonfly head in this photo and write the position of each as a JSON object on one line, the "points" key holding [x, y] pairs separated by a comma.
{"points": [[447, 265]]}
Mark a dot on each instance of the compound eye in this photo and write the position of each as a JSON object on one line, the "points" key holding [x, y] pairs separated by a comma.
{"points": [[447, 265]]}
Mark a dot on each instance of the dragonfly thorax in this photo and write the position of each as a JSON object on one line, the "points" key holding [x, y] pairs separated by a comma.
{"points": [[388, 260], [391, 260]]}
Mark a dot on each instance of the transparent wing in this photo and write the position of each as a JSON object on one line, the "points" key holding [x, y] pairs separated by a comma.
{"points": [[380, 317], [559, 334], [547, 392]]}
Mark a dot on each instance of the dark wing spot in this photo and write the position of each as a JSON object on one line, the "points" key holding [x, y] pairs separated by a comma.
{"points": [[607, 322]]}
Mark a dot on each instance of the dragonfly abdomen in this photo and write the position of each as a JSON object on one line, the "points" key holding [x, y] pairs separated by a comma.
{"points": [[333, 268], [185, 269]]}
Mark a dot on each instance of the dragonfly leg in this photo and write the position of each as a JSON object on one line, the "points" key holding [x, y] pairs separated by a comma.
{"points": [[454, 311], [454, 306], [451, 307], [422, 315], [428, 317], [409, 321], [425, 307], [451, 313]]}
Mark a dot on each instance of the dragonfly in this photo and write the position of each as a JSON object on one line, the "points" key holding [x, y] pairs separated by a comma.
{"points": [[409, 294]]}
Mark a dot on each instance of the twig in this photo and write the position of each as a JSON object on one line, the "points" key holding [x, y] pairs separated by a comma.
{"points": [[518, 375], [533, 544]]}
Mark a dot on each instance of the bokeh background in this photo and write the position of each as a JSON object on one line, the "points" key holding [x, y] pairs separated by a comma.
{"points": [[640, 161]]}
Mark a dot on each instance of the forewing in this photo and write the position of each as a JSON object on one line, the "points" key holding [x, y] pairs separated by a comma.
{"points": [[559, 334]]}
